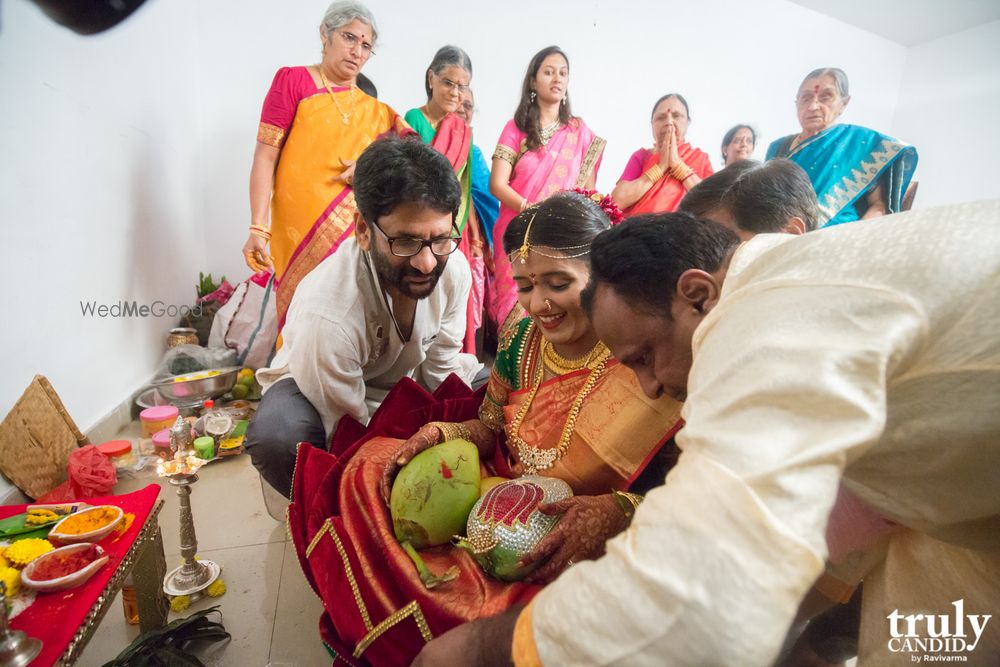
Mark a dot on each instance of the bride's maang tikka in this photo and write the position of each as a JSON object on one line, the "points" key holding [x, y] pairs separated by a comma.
{"points": [[564, 253], [607, 205]]}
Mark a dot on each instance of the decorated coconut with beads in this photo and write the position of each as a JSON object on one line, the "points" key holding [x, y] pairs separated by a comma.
{"points": [[505, 524]]}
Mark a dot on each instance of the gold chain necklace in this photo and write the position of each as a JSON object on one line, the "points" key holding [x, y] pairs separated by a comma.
{"points": [[559, 364], [533, 458], [546, 132], [346, 117]]}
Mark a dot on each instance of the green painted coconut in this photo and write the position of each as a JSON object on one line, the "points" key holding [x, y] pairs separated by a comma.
{"points": [[434, 493]]}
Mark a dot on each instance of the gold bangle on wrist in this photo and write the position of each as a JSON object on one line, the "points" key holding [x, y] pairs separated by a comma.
{"points": [[654, 173], [452, 431], [628, 503], [260, 232], [681, 171]]}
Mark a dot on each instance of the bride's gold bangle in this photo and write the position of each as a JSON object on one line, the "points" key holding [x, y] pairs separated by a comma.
{"points": [[627, 502], [452, 430]]}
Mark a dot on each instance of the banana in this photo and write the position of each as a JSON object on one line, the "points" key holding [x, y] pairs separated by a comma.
{"points": [[40, 516]]}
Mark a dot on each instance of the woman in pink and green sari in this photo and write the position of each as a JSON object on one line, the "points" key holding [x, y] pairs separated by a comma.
{"points": [[447, 83], [542, 150]]}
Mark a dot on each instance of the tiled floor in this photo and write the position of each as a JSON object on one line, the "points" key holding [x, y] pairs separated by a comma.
{"points": [[268, 608]]}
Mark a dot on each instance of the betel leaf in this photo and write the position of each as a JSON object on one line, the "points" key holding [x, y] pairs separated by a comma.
{"points": [[167, 646]]}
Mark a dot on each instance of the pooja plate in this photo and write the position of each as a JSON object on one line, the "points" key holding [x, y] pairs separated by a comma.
{"points": [[92, 536], [193, 388], [71, 580]]}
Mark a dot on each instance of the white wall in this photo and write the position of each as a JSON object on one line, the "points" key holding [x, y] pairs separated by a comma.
{"points": [[948, 106], [127, 154], [96, 174], [735, 62]]}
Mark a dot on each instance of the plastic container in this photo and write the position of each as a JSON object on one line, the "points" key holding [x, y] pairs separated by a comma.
{"points": [[119, 451], [157, 419], [204, 447], [161, 444]]}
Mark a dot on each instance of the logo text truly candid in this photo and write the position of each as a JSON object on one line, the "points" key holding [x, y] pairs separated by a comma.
{"points": [[937, 637]]}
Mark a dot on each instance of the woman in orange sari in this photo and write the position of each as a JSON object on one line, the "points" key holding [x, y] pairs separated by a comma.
{"points": [[556, 405], [314, 124], [655, 181], [438, 124]]}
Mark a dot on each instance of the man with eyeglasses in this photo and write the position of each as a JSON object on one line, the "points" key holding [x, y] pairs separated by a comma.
{"points": [[390, 303]]}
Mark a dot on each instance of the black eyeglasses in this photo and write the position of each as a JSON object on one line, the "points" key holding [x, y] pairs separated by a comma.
{"points": [[407, 246]]}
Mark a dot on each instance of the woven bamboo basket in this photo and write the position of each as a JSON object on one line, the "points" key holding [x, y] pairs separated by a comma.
{"points": [[36, 439]]}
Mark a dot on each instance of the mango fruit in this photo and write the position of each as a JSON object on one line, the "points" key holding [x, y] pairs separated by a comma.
{"points": [[434, 493]]}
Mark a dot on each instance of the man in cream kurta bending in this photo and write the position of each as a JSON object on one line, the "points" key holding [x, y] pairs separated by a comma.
{"points": [[390, 303], [867, 355]]}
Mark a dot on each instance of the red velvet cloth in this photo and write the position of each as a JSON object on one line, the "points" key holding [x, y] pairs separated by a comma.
{"points": [[342, 487], [55, 617]]}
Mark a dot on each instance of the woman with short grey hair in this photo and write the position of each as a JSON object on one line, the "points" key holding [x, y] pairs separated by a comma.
{"points": [[314, 124], [856, 172], [339, 14]]}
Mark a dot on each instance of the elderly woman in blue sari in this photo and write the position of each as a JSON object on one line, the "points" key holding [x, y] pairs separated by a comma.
{"points": [[441, 124], [857, 173]]}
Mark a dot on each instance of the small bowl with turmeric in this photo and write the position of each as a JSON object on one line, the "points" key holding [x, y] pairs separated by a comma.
{"points": [[90, 525]]}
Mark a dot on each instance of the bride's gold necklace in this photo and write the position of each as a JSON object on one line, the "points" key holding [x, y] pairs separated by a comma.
{"points": [[533, 458], [559, 364], [346, 117]]}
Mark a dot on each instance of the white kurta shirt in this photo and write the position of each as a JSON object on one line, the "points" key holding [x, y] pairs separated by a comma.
{"points": [[341, 344], [869, 351]]}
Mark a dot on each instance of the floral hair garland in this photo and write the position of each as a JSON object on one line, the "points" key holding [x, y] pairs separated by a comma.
{"points": [[606, 203]]}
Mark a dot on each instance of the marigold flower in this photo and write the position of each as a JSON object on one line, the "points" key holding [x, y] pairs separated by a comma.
{"points": [[23, 552], [216, 589]]}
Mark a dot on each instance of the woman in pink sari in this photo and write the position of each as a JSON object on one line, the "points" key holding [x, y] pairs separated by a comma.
{"points": [[542, 150]]}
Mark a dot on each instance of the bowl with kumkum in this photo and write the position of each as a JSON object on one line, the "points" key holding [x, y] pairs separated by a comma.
{"points": [[65, 567], [90, 525]]}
